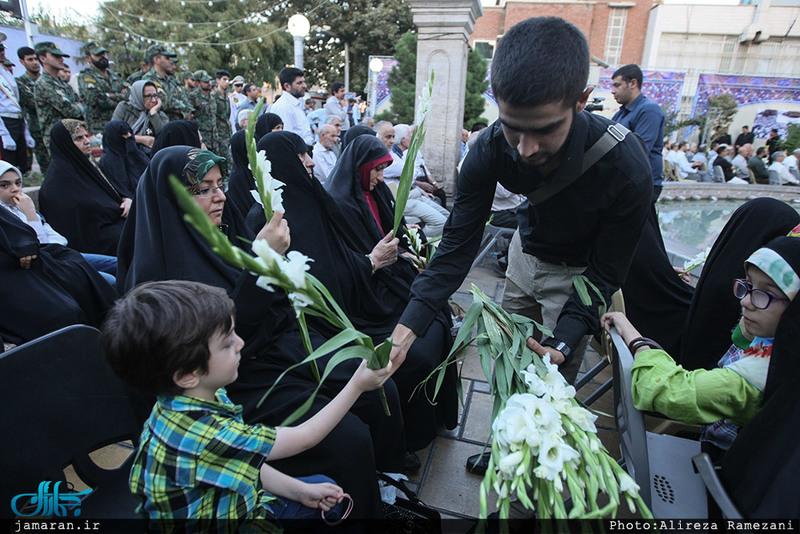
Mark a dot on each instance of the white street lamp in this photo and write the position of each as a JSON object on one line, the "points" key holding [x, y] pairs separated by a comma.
{"points": [[375, 66], [299, 28]]}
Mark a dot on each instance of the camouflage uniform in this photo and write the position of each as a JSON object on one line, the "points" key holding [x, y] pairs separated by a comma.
{"points": [[55, 99], [101, 92], [205, 111], [26, 100], [223, 112], [173, 101], [135, 77]]}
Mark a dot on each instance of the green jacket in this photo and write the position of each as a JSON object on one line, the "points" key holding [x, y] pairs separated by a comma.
{"points": [[26, 99], [205, 110], [55, 100], [101, 94], [173, 102]]}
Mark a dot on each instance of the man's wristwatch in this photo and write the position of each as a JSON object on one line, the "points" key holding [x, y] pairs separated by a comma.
{"points": [[560, 346]]}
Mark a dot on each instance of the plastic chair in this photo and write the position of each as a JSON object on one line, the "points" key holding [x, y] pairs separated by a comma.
{"points": [[706, 470], [62, 402], [490, 237], [660, 464], [719, 174]]}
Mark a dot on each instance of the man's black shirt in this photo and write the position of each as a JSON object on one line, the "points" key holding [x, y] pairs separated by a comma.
{"points": [[595, 221]]}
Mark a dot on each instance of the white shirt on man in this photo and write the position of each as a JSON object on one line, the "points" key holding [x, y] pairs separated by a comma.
{"points": [[324, 160], [290, 110]]}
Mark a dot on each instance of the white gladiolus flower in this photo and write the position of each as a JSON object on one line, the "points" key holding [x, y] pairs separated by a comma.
{"points": [[256, 196], [295, 269], [265, 253], [299, 300], [582, 418], [628, 485], [276, 194], [508, 464], [553, 454], [697, 261]]}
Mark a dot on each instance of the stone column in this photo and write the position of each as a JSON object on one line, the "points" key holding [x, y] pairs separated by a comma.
{"points": [[444, 28]]}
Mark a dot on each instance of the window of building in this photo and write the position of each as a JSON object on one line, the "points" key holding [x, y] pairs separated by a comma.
{"points": [[615, 35], [485, 48]]}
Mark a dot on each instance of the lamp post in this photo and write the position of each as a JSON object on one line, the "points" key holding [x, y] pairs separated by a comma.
{"points": [[375, 66], [298, 27]]}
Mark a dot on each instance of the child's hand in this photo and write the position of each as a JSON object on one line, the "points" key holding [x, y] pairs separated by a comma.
{"points": [[25, 203], [622, 324], [366, 379], [324, 496]]}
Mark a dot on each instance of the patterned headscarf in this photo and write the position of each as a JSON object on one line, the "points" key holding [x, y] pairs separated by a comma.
{"points": [[198, 163], [780, 260]]}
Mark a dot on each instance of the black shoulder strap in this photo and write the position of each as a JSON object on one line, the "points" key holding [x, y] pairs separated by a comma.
{"points": [[614, 134]]}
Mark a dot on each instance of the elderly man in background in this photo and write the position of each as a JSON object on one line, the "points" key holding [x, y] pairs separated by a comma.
{"points": [[324, 156]]}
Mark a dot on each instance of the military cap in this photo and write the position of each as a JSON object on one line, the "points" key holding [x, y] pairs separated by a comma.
{"points": [[7, 62], [202, 76], [48, 46], [2, 37], [94, 48], [158, 50], [238, 80]]}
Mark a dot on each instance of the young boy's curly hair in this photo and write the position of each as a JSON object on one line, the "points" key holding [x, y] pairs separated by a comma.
{"points": [[163, 328]]}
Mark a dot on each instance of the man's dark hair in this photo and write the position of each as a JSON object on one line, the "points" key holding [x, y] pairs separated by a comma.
{"points": [[221, 73], [161, 328], [628, 73], [336, 86], [745, 127], [541, 61], [478, 126], [682, 144], [760, 151], [714, 145], [25, 51], [247, 87], [289, 75], [774, 130]]}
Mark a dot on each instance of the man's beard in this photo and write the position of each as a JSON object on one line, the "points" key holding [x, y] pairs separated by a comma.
{"points": [[101, 63], [297, 93]]}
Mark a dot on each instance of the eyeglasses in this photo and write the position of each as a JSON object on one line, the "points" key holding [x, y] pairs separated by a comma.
{"points": [[152, 96], [758, 297], [208, 192]]}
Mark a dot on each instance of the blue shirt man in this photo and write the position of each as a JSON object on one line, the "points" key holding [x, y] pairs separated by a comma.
{"points": [[641, 116]]}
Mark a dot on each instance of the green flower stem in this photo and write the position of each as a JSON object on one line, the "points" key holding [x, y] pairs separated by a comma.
{"points": [[301, 318]]}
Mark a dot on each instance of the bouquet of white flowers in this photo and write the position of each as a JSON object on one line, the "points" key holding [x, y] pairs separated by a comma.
{"points": [[543, 440]]}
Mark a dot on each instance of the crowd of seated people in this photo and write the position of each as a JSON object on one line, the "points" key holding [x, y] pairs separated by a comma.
{"points": [[111, 228]]}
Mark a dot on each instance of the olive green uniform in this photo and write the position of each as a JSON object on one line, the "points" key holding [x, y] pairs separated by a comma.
{"points": [[26, 100], [205, 109], [135, 77], [55, 100], [101, 93], [173, 101], [223, 112]]}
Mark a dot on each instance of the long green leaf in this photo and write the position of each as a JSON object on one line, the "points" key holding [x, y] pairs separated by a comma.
{"points": [[407, 175]]}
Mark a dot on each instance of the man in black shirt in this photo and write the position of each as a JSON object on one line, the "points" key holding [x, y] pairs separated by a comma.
{"points": [[592, 225], [744, 138]]}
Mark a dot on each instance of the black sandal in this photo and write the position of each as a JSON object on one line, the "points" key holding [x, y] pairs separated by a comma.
{"points": [[478, 463]]}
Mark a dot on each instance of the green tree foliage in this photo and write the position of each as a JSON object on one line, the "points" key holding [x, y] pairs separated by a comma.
{"points": [[128, 27], [402, 81], [792, 137], [721, 111], [477, 84], [371, 27]]}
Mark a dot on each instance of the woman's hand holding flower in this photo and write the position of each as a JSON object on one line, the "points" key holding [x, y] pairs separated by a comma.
{"points": [[385, 252], [276, 233]]}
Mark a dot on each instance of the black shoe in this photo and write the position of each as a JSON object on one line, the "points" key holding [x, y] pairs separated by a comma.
{"points": [[478, 463], [411, 463]]}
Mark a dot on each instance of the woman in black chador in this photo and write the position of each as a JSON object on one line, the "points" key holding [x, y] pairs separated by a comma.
{"points": [[77, 198], [122, 162], [46, 287], [158, 244], [342, 236]]}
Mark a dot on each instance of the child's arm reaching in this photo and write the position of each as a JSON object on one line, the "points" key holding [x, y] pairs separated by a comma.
{"points": [[324, 496], [292, 440]]}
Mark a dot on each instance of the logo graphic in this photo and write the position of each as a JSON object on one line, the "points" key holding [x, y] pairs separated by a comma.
{"points": [[46, 503]]}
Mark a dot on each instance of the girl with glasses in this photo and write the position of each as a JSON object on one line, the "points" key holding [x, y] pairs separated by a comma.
{"points": [[729, 396]]}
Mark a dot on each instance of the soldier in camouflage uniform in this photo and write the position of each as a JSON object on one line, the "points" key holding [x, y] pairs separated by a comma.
{"points": [[170, 91], [55, 99], [100, 87], [205, 109], [136, 76], [223, 111], [25, 84]]}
